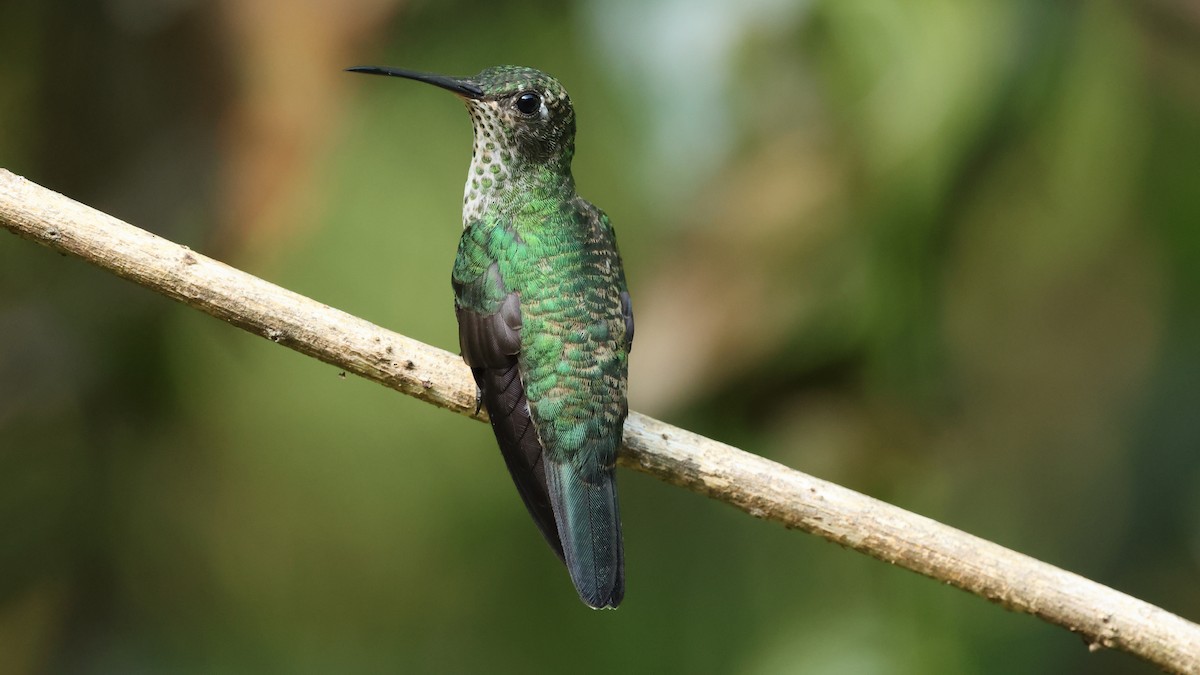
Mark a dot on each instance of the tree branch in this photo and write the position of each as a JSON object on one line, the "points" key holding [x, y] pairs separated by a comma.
{"points": [[760, 487]]}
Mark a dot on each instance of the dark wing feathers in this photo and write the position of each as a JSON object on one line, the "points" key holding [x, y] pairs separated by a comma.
{"points": [[489, 334], [504, 397], [490, 337], [490, 340]]}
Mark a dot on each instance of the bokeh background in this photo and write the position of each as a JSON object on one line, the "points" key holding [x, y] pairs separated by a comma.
{"points": [[943, 252]]}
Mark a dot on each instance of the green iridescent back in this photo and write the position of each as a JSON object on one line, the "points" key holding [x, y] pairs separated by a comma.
{"points": [[574, 358]]}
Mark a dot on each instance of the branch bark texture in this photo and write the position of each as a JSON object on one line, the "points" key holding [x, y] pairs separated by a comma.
{"points": [[1103, 617]]}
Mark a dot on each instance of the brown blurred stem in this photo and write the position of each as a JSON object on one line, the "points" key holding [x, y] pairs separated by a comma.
{"points": [[1102, 616]]}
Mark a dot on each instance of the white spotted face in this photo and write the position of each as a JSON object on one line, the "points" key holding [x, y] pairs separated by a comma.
{"points": [[524, 138]]}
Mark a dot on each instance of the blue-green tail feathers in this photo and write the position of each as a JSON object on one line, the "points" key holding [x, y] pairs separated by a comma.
{"points": [[585, 508], [575, 510]]}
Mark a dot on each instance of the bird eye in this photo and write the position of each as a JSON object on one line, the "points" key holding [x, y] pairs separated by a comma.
{"points": [[529, 103]]}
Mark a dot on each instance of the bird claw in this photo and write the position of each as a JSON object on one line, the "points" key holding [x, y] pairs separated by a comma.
{"points": [[478, 400]]}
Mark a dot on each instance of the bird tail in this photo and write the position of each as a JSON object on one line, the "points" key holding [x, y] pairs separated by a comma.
{"points": [[589, 523]]}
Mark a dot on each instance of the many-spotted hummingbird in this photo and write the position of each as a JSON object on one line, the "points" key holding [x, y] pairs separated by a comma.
{"points": [[544, 317]]}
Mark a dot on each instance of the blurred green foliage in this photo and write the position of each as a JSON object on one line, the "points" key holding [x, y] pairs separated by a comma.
{"points": [[942, 252]]}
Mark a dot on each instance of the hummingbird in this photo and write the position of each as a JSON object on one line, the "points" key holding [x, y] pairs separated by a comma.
{"points": [[544, 316]]}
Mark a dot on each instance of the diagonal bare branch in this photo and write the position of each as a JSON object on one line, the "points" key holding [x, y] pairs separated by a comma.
{"points": [[764, 489]]}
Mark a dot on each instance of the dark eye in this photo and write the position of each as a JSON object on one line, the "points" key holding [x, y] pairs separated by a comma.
{"points": [[529, 103]]}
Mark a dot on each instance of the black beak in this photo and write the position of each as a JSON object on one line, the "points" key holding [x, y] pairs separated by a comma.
{"points": [[458, 85]]}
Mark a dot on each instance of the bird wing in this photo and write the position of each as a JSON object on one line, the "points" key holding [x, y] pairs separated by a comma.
{"points": [[489, 334]]}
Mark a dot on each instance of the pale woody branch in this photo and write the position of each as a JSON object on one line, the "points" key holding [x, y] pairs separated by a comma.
{"points": [[1102, 616]]}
